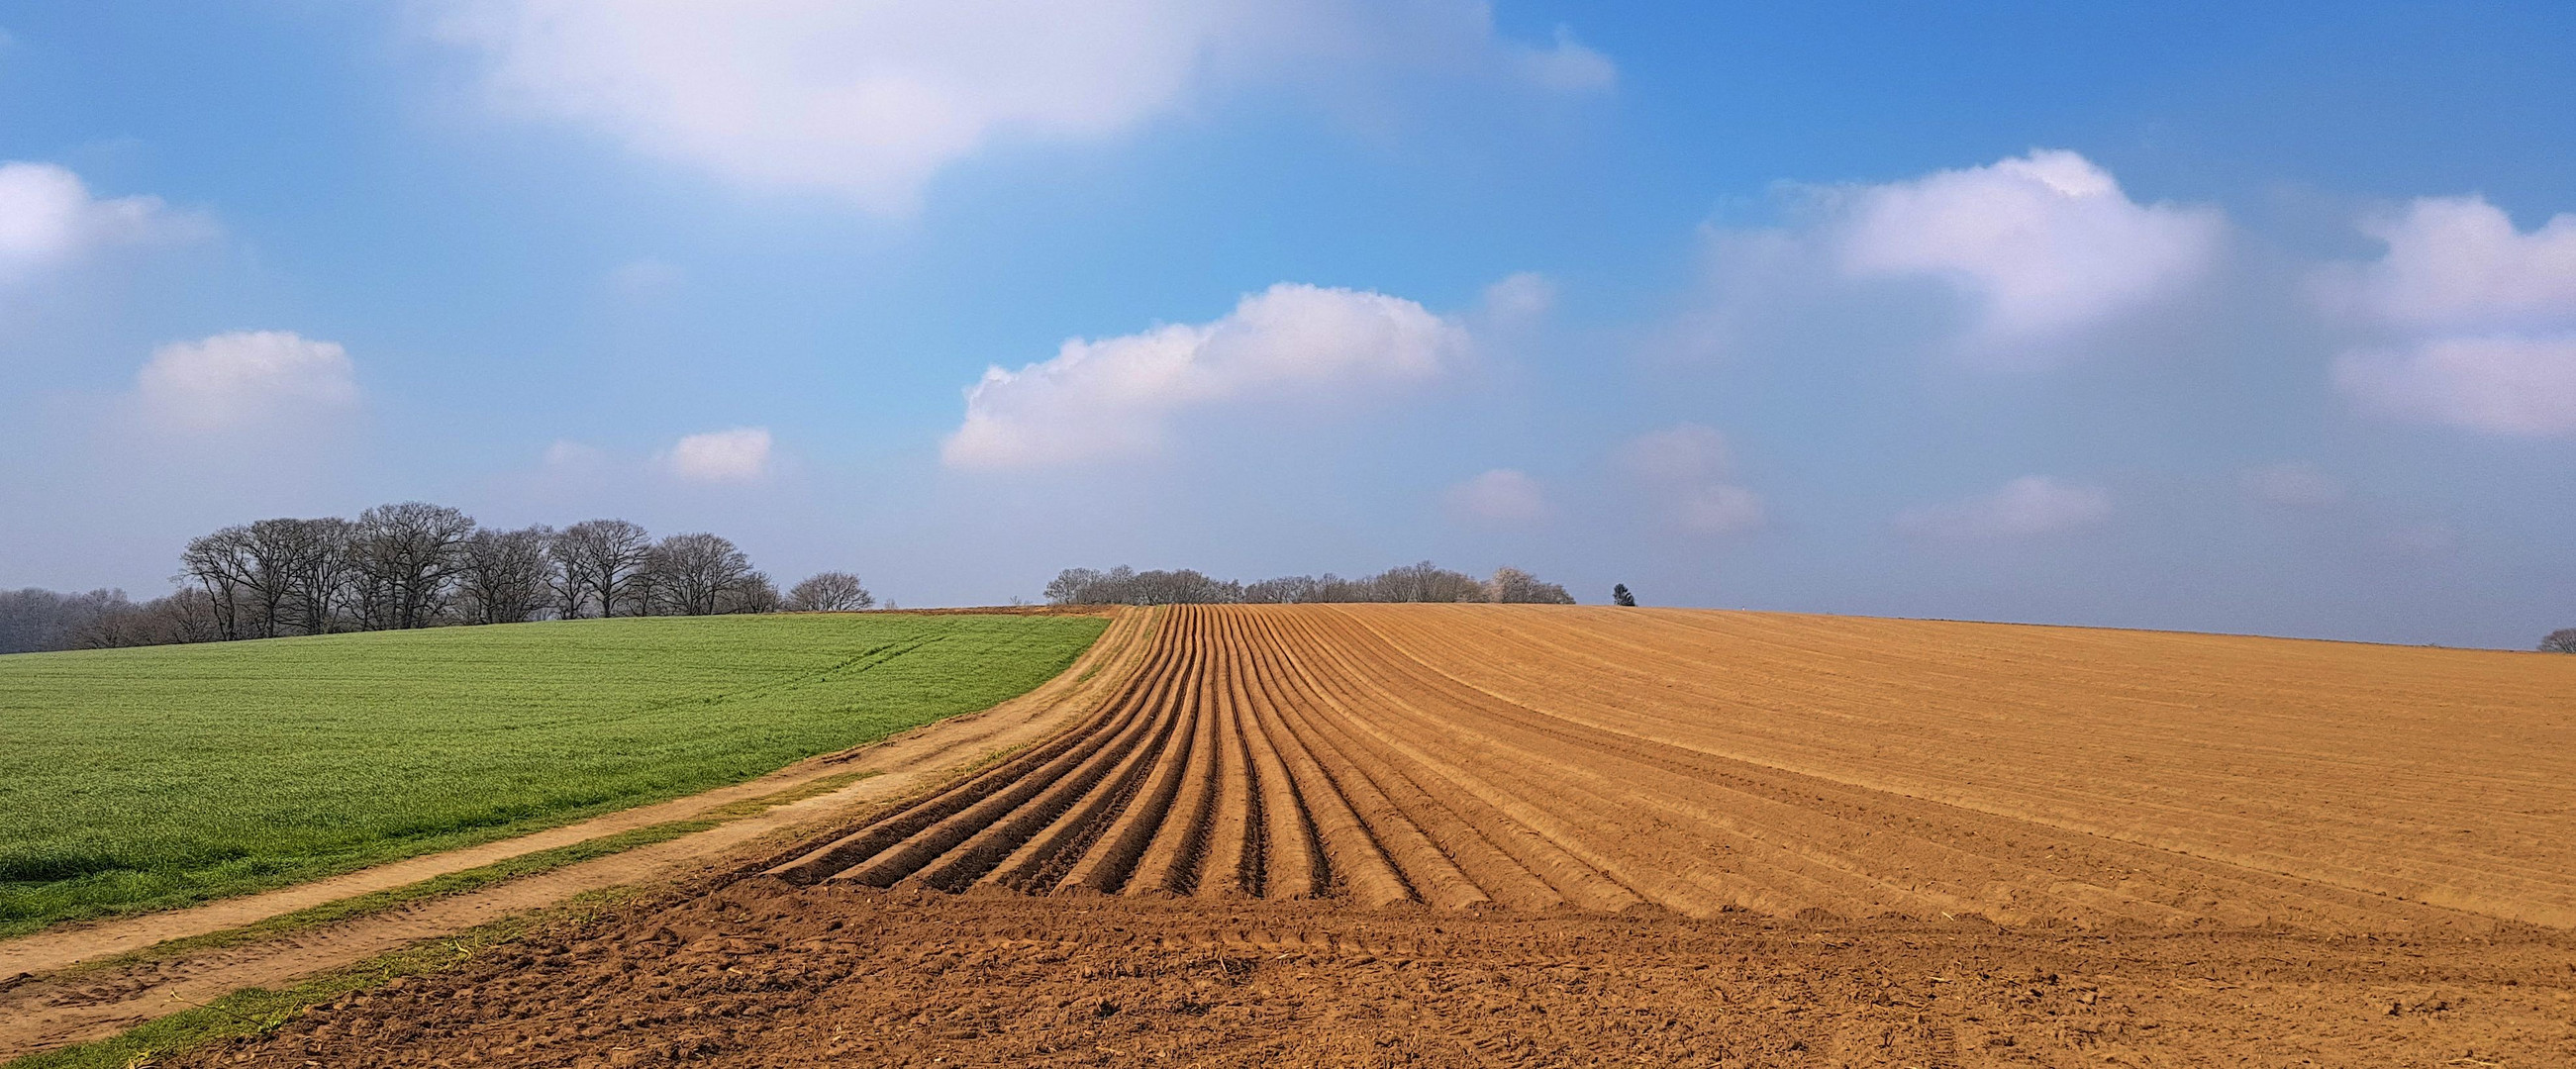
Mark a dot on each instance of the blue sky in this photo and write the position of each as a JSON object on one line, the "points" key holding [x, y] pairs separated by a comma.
{"points": [[2179, 317]]}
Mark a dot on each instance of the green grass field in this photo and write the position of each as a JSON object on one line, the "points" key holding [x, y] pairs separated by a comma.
{"points": [[147, 778]]}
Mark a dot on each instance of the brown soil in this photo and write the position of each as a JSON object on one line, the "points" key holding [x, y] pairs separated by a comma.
{"points": [[1467, 834], [765, 973], [1464, 756]]}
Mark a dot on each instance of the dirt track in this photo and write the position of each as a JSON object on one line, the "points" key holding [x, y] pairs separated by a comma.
{"points": [[1471, 834]]}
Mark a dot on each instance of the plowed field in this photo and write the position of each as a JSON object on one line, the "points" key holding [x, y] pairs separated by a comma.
{"points": [[1607, 760], [1498, 834]]}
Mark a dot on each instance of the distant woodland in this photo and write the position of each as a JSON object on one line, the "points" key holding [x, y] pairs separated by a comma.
{"points": [[412, 565], [1413, 582]]}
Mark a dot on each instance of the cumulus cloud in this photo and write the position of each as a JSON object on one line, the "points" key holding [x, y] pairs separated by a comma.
{"points": [[2043, 244], [1499, 497], [1686, 469], [740, 455], [244, 379], [2294, 484], [2027, 507], [2459, 263], [2486, 314], [48, 217], [1111, 398], [870, 100], [2017, 264]]}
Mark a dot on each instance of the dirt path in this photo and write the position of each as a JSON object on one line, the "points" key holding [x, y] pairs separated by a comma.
{"points": [[40, 1010]]}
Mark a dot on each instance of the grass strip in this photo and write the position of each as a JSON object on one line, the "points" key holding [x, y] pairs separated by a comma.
{"points": [[258, 1011]]}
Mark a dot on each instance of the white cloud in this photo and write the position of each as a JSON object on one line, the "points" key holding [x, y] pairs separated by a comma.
{"points": [[2487, 314], [2044, 244], [870, 100], [2294, 483], [1568, 67], [2501, 385], [1499, 497], [2457, 263], [1718, 508], [244, 379], [48, 217], [2026, 507], [740, 455], [1686, 469], [1099, 400], [566, 455], [2019, 264], [1519, 298], [1688, 452]]}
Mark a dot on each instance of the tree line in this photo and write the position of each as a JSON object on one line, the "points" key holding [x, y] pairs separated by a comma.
{"points": [[412, 565], [1412, 582]]}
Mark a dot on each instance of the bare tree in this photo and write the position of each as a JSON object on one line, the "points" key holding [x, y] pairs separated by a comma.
{"points": [[696, 574], [1287, 590], [1512, 585], [242, 596], [311, 557], [507, 576], [1069, 585], [411, 552], [829, 592], [36, 619], [1426, 582], [2562, 640], [1414, 582], [600, 559], [754, 594], [1123, 585], [183, 615]]}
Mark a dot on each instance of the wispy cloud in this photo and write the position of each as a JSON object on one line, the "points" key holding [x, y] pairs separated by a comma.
{"points": [[2027, 507], [1501, 497], [1686, 470]]}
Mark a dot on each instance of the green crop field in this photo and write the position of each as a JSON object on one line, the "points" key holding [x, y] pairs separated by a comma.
{"points": [[146, 778]]}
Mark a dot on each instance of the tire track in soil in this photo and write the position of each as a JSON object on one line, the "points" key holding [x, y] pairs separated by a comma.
{"points": [[1340, 751]]}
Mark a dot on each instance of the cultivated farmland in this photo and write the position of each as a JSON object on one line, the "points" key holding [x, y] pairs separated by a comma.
{"points": [[1702, 762], [153, 777], [1478, 834]]}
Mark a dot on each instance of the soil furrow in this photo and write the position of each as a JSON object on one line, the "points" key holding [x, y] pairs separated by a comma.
{"points": [[1292, 862], [1104, 868], [1356, 863]]}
